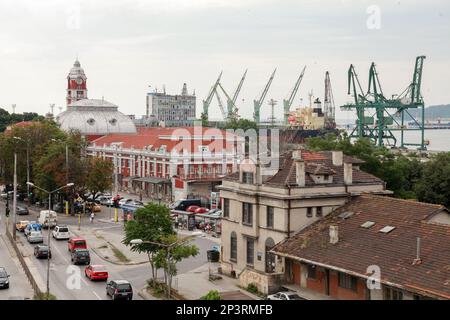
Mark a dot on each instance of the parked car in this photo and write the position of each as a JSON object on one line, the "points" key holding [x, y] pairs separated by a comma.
{"points": [[61, 232], [96, 272], [201, 210], [124, 201], [35, 237], [42, 251], [21, 225], [32, 226], [182, 205], [76, 243], [119, 289], [4, 278], [47, 218], [192, 208], [22, 211], [284, 295], [105, 201], [80, 256]]}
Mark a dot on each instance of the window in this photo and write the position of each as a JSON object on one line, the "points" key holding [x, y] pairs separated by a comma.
{"points": [[250, 251], [309, 212], [346, 281], [269, 217], [247, 213], [392, 294], [226, 208], [312, 274], [247, 177], [319, 212], [233, 247]]}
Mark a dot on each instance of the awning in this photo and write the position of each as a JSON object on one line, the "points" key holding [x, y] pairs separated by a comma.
{"points": [[130, 178], [154, 180]]}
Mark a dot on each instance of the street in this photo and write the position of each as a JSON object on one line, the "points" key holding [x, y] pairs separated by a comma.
{"points": [[67, 281]]}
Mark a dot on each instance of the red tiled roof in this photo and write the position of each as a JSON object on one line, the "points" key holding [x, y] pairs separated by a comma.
{"points": [[394, 252], [177, 138], [318, 163]]}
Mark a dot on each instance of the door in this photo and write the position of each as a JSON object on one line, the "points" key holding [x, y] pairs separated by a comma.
{"points": [[296, 273]]}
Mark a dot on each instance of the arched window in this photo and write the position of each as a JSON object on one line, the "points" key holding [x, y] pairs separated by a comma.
{"points": [[270, 258], [233, 246]]}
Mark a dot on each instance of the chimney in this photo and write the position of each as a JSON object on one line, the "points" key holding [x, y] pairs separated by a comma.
{"points": [[334, 234], [299, 168], [337, 157], [348, 173], [417, 260]]}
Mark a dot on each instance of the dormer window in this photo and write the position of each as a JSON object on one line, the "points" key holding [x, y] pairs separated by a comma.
{"points": [[247, 177]]}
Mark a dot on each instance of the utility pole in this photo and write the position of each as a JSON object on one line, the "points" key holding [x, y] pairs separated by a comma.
{"points": [[15, 196]]}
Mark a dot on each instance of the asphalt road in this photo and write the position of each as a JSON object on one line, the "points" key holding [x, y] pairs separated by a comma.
{"points": [[68, 282], [19, 286]]}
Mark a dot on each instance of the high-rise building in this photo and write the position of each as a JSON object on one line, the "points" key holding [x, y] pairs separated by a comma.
{"points": [[76, 84], [171, 110]]}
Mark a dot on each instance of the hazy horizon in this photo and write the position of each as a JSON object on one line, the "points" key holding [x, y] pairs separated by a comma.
{"points": [[126, 45]]}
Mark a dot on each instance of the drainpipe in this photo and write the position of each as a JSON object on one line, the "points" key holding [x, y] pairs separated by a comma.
{"points": [[289, 213]]}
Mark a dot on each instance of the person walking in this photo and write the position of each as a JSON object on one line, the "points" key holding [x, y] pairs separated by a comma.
{"points": [[91, 218]]}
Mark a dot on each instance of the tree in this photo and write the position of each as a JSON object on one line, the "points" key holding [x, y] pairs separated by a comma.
{"points": [[434, 185], [151, 223], [172, 251], [243, 124], [99, 175]]}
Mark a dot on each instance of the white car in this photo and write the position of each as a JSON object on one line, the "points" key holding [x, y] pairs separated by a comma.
{"points": [[285, 295], [47, 218], [61, 232], [35, 237], [124, 201]]}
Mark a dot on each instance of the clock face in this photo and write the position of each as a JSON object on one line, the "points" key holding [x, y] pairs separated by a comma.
{"points": [[79, 81]]}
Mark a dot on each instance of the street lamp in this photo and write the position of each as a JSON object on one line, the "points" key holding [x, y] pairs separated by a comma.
{"points": [[169, 247], [48, 224]]}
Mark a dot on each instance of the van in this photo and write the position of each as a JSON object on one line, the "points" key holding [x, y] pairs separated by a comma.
{"points": [[47, 218], [61, 232], [182, 205], [76, 243]]}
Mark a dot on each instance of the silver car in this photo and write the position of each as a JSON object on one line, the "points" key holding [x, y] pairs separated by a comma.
{"points": [[35, 237]]}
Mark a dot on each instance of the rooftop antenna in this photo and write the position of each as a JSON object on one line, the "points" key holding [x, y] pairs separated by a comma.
{"points": [[52, 107], [14, 108], [164, 88]]}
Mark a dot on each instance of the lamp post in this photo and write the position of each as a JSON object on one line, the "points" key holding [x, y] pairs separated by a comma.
{"points": [[48, 224], [169, 247]]}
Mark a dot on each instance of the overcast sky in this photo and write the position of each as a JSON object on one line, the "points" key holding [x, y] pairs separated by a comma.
{"points": [[127, 45]]}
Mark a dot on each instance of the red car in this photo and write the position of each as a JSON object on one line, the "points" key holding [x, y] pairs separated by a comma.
{"points": [[192, 208], [202, 210], [96, 272], [76, 243]]}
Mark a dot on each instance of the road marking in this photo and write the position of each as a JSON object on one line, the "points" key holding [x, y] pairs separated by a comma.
{"points": [[96, 295]]}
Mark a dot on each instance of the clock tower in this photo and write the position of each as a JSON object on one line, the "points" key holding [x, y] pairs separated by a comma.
{"points": [[76, 84]]}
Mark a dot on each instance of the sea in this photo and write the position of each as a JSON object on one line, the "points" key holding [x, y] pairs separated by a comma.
{"points": [[439, 138]]}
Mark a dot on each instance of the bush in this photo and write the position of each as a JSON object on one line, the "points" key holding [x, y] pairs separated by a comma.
{"points": [[44, 296], [252, 288], [211, 295]]}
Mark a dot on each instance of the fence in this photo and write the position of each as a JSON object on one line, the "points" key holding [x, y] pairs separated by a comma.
{"points": [[30, 277]]}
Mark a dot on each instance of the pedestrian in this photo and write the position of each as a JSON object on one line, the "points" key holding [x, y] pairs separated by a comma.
{"points": [[92, 217]]}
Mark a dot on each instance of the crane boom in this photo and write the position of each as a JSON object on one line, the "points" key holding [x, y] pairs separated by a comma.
{"points": [[329, 107], [417, 81], [287, 103], [209, 98], [219, 101], [238, 89], [258, 103]]}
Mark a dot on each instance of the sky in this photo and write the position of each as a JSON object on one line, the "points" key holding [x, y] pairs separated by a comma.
{"points": [[125, 46]]}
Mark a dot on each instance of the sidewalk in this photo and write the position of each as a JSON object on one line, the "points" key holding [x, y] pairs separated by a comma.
{"points": [[195, 283]]}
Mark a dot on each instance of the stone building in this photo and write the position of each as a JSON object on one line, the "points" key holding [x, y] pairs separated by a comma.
{"points": [[260, 211]]}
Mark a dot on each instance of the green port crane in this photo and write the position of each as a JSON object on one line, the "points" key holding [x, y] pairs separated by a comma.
{"points": [[219, 101], [378, 117], [287, 103], [231, 103], [209, 98], [258, 103]]}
